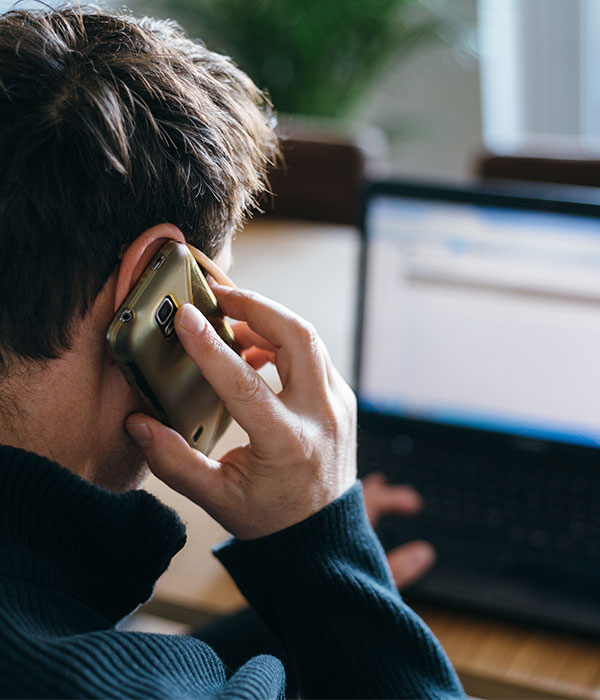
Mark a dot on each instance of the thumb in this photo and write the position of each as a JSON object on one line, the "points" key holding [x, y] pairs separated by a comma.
{"points": [[172, 460]]}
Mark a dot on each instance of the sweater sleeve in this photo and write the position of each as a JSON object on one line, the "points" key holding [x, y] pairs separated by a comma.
{"points": [[324, 588]]}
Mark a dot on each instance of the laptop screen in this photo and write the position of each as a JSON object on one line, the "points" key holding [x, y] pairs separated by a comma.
{"points": [[483, 317]]}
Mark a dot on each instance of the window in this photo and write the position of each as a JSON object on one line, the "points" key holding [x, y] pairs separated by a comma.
{"points": [[539, 65]]}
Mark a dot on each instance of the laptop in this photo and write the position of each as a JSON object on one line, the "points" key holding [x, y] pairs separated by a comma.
{"points": [[478, 381]]}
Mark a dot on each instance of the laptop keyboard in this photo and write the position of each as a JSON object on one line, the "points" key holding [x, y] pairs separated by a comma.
{"points": [[488, 507]]}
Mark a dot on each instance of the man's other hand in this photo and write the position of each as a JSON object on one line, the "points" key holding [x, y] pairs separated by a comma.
{"points": [[408, 562]]}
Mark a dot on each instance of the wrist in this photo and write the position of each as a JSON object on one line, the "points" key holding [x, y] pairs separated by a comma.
{"points": [[340, 525]]}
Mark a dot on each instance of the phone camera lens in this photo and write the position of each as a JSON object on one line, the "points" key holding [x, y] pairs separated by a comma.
{"points": [[126, 316], [165, 316], [165, 311]]}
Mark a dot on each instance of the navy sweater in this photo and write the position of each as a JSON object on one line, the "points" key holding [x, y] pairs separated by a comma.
{"points": [[75, 559]]}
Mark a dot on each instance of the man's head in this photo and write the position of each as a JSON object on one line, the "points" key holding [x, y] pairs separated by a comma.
{"points": [[109, 126]]}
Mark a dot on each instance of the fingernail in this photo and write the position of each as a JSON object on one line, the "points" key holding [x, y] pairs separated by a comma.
{"points": [[191, 319], [140, 432]]}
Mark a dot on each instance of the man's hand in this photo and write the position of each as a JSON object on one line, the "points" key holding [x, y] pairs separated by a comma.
{"points": [[302, 450], [408, 562]]}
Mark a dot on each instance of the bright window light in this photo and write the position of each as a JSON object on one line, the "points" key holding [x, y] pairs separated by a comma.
{"points": [[539, 65]]}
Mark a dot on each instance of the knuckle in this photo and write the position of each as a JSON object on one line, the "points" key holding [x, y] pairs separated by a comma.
{"points": [[325, 352], [346, 398], [346, 411], [350, 400], [248, 296], [300, 440], [307, 334]]}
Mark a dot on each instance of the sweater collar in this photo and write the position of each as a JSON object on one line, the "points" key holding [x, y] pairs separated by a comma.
{"points": [[62, 532]]}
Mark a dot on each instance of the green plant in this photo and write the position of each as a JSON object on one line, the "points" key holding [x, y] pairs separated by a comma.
{"points": [[315, 57]]}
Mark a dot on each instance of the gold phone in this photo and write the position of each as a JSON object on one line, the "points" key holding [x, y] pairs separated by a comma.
{"points": [[142, 340]]}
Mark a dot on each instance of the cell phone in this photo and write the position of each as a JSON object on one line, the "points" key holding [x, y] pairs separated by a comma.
{"points": [[142, 340]]}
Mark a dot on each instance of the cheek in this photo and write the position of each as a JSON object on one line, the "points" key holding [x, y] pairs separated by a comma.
{"points": [[121, 400]]}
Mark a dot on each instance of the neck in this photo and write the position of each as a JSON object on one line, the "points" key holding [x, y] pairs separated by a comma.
{"points": [[43, 412], [72, 411]]}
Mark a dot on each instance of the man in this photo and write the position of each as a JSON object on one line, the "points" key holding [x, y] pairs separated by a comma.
{"points": [[118, 134]]}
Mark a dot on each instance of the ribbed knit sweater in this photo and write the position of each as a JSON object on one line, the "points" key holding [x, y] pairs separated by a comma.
{"points": [[76, 559]]}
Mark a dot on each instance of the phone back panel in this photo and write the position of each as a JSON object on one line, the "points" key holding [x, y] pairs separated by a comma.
{"points": [[171, 386]]}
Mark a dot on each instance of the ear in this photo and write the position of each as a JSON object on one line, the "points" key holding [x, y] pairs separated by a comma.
{"points": [[139, 254]]}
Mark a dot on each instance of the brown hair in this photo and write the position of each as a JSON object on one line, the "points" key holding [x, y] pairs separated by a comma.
{"points": [[108, 125]]}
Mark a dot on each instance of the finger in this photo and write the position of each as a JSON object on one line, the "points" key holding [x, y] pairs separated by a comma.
{"points": [[295, 337], [382, 499], [410, 562], [247, 396], [372, 484], [373, 480], [247, 338], [399, 500], [243, 305], [173, 461]]}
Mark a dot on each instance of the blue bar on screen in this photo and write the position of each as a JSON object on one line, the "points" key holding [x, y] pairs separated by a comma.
{"points": [[480, 421]]}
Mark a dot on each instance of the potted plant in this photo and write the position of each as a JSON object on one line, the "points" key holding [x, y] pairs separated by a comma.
{"points": [[318, 59]]}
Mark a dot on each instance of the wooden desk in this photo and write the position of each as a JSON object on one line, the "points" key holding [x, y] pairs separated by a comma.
{"points": [[312, 268]]}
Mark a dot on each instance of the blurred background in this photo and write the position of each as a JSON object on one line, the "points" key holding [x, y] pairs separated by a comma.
{"points": [[435, 80], [423, 87], [400, 76]]}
